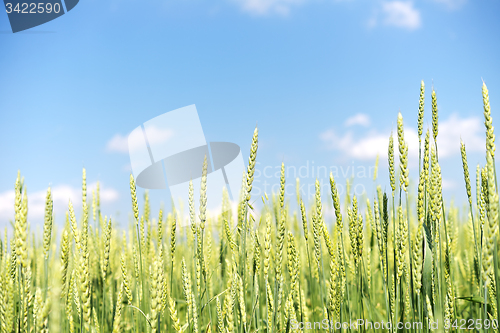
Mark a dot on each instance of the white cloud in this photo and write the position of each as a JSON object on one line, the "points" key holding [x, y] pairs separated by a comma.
{"points": [[367, 146], [400, 14], [370, 145], [6, 205], [61, 194], [359, 119], [471, 130], [265, 7], [158, 136], [452, 4], [448, 184], [119, 143]]}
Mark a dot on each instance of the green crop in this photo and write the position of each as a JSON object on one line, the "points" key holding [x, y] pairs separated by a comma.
{"points": [[272, 268]]}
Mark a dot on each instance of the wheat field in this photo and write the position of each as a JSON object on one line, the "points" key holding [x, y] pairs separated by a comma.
{"points": [[398, 262]]}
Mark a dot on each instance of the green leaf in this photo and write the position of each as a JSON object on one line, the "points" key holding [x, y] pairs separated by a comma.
{"points": [[474, 299], [495, 265], [428, 233], [204, 305], [145, 317], [478, 300]]}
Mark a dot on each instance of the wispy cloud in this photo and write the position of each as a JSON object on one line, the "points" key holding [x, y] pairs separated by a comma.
{"points": [[399, 14], [368, 146], [372, 143], [470, 130], [120, 143], [359, 119], [266, 7], [449, 184], [61, 194]]}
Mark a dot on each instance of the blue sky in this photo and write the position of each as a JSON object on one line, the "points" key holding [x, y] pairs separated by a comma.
{"points": [[324, 81]]}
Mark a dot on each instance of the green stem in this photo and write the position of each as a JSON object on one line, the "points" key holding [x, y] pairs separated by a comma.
{"points": [[103, 303], [411, 259], [394, 257], [323, 290], [267, 305], [310, 280], [347, 284], [140, 299], [387, 305], [243, 254]]}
